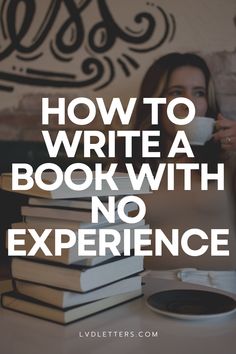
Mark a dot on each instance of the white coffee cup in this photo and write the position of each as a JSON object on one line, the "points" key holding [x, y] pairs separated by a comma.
{"points": [[199, 130]]}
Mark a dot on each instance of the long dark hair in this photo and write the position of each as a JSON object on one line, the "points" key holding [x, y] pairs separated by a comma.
{"points": [[155, 84]]}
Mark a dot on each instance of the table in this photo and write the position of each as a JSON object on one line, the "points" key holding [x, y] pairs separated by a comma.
{"points": [[21, 334]]}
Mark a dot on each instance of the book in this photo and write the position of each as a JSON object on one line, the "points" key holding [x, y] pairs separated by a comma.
{"points": [[84, 203], [64, 299], [24, 304], [48, 223], [70, 255], [5, 285], [122, 181], [71, 214], [38, 226], [76, 277]]}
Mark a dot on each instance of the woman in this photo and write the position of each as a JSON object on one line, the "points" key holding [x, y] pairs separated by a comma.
{"points": [[187, 75], [184, 75]]}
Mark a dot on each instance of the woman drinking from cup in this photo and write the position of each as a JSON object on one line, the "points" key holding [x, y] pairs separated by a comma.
{"points": [[187, 75]]}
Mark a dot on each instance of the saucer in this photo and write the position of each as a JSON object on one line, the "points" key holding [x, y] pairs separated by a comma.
{"points": [[191, 304]]}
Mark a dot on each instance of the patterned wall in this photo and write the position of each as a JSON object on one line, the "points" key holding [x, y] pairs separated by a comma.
{"points": [[102, 48]]}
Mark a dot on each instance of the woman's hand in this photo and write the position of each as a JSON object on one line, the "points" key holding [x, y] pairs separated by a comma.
{"points": [[226, 133]]}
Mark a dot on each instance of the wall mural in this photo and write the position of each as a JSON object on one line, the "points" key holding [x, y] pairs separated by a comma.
{"points": [[62, 34]]}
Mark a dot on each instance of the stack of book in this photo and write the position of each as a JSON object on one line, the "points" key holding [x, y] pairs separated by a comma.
{"points": [[69, 287]]}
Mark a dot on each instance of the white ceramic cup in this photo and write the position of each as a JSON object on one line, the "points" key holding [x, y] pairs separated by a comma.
{"points": [[200, 130]]}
